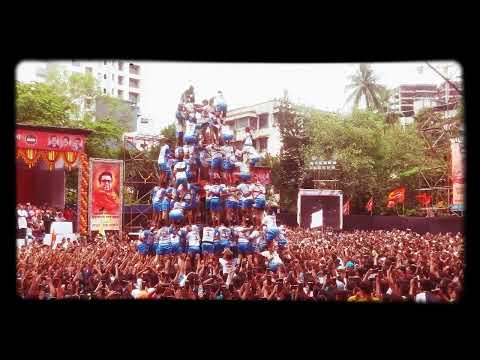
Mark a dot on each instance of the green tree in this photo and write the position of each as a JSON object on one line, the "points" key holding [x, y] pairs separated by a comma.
{"points": [[373, 158], [294, 139], [168, 133], [41, 104], [364, 84]]}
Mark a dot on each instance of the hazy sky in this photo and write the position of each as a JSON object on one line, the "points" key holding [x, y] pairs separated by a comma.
{"points": [[318, 85]]}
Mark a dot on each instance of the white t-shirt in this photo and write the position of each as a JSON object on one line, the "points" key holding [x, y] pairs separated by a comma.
{"points": [[258, 190], [270, 221], [208, 234], [162, 157], [227, 266], [22, 219], [193, 238], [225, 232], [181, 170], [244, 191], [164, 235]]}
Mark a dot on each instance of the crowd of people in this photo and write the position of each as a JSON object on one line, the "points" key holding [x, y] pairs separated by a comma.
{"points": [[214, 236], [360, 266], [33, 221]]}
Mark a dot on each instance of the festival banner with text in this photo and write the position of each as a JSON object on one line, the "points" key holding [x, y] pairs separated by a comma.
{"points": [[106, 183], [44, 140]]}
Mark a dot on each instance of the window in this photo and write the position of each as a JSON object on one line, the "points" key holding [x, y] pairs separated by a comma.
{"points": [[241, 123], [134, 83], [120, 94], [134, 69], [120, 65], [105, 62], [113, 77], [133, 97], [263, 144], [75, 63], [88, 70], [120, 80], [105, 76], [104, 91], [253, 123], [263, 121]]}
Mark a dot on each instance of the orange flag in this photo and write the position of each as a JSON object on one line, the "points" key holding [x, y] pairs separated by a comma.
{"points": [[346, 208], [397, 195], [369, 205]]}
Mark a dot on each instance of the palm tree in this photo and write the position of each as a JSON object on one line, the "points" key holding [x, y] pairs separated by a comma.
{"points": [[364, 84]]}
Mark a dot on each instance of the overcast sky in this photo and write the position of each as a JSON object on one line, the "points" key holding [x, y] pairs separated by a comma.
{"points": [[318, 85]]}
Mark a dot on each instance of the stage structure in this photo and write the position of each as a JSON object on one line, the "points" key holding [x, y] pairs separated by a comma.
{"points": [[140, 176], [441, 136], [312, 201], [324, 173], [43, 154]]}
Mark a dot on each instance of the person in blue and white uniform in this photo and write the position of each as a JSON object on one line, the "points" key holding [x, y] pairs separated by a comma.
{"points": [[163, 164], [193, 241], [163, 241], [207, 240], [146, 241], [214, 192], [180, 124], [259, 200], [157, 196], [271, 229], [246, 201]]}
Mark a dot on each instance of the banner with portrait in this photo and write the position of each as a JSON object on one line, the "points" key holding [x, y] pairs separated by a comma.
{"points": [[105, 190], [49, 140]]}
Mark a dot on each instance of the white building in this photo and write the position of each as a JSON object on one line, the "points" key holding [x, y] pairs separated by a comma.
{"points": [[262, 120], [116, 78]]}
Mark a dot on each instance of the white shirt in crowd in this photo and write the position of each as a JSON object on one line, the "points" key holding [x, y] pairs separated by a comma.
{"points": [[193, 238], [270, 221], [227, 266], [162, 157], [22, 219], [208, 233]]}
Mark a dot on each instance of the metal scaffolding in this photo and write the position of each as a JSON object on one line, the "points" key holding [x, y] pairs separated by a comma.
{"points": [[436, 132], [140, 175]]}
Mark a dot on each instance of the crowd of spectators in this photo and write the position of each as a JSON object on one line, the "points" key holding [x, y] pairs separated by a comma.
{"points": [[33, 222], [359, 266]]}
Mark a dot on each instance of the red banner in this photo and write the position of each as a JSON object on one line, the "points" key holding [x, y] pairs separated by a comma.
{"points": [[424, 199], [106, 195], [262, 173], [44, 140]]}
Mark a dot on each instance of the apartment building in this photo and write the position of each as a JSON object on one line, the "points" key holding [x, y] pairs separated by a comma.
{"points": [[262, 120]]}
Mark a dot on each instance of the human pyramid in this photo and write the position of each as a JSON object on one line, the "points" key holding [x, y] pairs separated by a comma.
{"points": [[207, 200]]}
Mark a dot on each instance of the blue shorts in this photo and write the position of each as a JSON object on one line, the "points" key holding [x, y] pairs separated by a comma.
{"points": [[245, 176], [176, 248], [246, 203], [245, 248], [215, 204], [144, 249], [272, 234], [164, 168], [189, 176], [207, 247], [176, 215], [260, 203], [221, 107], [157, 207], [221, 245], [273, 266], [282, 243], [182, 181], [190, 139], [165, 205], [163, 249], [217, 163], [228, 165], [231, 204], [227, 137], [194, 249]]}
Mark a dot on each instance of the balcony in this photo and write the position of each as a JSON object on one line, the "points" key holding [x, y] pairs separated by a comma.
{"points": [[134, 70]]}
